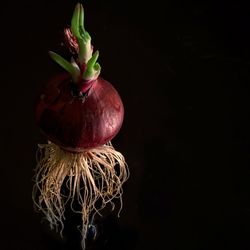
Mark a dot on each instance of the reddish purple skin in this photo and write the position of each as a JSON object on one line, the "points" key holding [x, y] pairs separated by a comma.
{"points": [[77, 124]]}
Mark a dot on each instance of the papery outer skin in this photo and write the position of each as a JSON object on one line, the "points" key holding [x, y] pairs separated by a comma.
{"points": [[77, 124]]}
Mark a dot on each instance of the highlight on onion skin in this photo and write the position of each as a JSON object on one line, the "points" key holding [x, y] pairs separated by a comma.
{"points": [[79, 113]]}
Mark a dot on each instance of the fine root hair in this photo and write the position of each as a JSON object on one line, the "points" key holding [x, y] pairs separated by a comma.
{"points": [[92, 177]]}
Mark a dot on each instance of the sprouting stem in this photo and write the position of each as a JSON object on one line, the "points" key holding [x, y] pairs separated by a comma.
{"points": [[84, 59]]}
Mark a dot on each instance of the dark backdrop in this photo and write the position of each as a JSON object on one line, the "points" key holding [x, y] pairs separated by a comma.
{"points": [[182, 70]]}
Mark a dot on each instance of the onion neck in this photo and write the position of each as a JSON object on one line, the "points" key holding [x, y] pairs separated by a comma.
{"points": [[84, 86]]}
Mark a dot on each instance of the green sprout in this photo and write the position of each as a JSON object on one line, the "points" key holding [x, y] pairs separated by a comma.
{"points": [[93, 67], [85, 51]]}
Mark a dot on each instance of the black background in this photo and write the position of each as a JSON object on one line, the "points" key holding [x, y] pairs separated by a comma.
{"points": [[182, 69]]}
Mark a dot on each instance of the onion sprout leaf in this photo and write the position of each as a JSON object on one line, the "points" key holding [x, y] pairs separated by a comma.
{"points": [[93, 68], [75, 21], [72, 69], [81, 19], [82, 36]]}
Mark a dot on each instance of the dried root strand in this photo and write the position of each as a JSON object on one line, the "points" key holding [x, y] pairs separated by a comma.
{"points": [[95, 175]]}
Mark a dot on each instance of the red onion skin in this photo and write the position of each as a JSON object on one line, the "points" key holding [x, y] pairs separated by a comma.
{"points": [[76, 124]]}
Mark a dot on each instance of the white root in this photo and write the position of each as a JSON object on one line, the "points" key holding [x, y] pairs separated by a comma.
{"points": [[95, 175]]}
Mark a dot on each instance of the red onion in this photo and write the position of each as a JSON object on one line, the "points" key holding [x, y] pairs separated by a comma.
{"points": [[74, 122], [79, 113]]}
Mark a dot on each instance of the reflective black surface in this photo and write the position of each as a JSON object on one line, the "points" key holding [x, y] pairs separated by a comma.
{"points": [[182, 70]]}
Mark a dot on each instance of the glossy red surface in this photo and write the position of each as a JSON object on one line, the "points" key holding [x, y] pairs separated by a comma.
{"points": [[76, 123]]}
